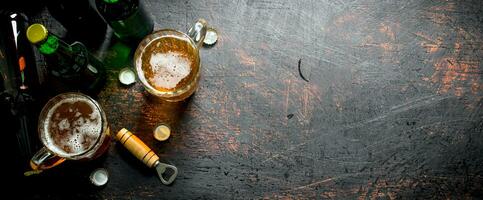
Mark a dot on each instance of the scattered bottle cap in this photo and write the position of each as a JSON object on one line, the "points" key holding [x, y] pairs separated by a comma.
{"points": [[211, 36], [162, 132], [99, 177], [127, 76]]}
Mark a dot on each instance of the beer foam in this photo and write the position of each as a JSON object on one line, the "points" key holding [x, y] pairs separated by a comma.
{"points": [[168, 69], [81, 130]]}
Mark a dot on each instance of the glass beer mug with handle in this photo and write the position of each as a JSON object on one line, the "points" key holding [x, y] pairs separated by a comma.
{"points": [[72, 126], [168, 62]]}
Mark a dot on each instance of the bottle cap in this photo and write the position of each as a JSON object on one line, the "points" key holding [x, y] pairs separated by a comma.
{"points": [[162, 132], [211, 36], [99, 177], [37, 33], [127, 76]]}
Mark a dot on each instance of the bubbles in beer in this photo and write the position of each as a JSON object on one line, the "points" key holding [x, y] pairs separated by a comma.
{"points": [[72, 126]]}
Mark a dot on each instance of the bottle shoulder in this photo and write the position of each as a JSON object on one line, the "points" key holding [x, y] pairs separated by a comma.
{"points": [[117, 11], [78, 46]]}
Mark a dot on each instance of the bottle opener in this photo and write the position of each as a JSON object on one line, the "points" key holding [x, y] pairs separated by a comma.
{"points": [[146, 155]]}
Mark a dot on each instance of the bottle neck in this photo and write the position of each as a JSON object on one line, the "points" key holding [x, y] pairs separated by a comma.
{"points": [[74, 54], [53, 45]]}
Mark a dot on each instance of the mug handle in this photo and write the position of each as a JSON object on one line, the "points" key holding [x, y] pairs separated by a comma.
{"points": [[44, 159], [198, 31]]}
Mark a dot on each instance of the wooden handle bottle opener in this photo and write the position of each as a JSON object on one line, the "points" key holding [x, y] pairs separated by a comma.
{"points": [[145, 155]]}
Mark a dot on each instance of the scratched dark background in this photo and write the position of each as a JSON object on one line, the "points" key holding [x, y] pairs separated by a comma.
{"points": [[391, 107]]}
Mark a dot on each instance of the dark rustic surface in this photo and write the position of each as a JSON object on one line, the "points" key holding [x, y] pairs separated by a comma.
{"points": [[392, 106]]}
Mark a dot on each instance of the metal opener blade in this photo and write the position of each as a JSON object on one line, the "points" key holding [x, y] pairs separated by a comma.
{"points": [[161, 169]]}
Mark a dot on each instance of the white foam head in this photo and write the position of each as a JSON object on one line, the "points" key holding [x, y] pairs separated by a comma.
{"points": [[80, 130], [168, 69]]}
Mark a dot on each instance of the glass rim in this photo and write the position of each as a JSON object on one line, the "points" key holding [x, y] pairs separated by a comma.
{"points": [[140, 74], [52, 102]]}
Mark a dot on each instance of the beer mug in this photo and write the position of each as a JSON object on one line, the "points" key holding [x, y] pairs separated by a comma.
{"points": [[167, 62], [72, 126]]}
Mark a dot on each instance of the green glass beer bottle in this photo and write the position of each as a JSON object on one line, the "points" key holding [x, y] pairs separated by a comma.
{"points": [[128, 19], [72, 64], [77, 16]]}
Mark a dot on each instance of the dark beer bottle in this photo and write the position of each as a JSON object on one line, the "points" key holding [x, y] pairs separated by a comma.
{"points": [[128, 19], [31, 78], [21, 85], [71, 64], [77, 16]]}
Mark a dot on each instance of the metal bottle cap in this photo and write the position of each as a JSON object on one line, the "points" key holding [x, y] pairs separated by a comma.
{"points": [[127, 76], [99, 177], [162, 132], [211, 36], [37, 33]]}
